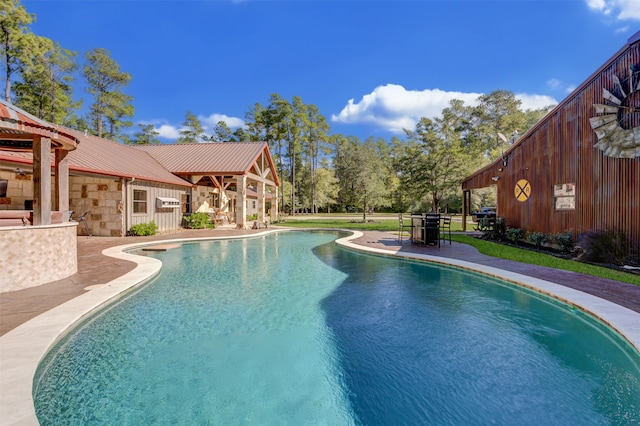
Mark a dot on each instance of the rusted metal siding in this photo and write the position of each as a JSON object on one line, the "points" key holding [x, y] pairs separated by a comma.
{"points": [[560, 149]]}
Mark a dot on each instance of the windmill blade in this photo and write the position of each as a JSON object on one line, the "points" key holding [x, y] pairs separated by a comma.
{"points": [[607, 95], [616, 81]]}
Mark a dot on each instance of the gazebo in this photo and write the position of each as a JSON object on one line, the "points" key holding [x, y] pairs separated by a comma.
{"points": [[45, 249]]}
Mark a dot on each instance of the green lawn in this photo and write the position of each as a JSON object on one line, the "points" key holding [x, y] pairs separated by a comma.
{"points": [[484, 247]]}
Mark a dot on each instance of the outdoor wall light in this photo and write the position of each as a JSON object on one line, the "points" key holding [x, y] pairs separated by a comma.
{"points": [[495, 178]]}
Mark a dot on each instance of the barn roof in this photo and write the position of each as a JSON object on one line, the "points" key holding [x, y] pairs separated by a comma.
{"points": [[466, 183]]}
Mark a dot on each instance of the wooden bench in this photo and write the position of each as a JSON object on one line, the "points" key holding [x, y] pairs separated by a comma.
{"points": [[16, 217], [24, 217]]}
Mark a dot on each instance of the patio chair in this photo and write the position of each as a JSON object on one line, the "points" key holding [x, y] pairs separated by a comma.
{"points": [[432, 229], [445, 228], [402, 226], [83, 219]]}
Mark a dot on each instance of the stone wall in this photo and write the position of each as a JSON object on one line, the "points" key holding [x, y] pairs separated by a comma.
{"points": [[34, 255], [19, 189], [103, 199]]}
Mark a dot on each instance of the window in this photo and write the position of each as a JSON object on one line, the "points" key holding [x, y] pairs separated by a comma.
{"points": [[564, 196], [139, 201]]}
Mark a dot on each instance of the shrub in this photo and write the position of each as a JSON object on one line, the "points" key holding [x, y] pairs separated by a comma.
{"points": [[515, 234], [197, 221], [142, 229], [564, 240], [537, 238], [498, 232], [604, 247], [253, 217]]}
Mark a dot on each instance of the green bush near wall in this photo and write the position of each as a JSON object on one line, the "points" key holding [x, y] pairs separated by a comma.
{"points": [[142, 229], [198, 221]]}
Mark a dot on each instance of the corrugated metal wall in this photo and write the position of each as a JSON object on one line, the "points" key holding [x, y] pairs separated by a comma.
{"points": [[561, 150], [167, 218]]}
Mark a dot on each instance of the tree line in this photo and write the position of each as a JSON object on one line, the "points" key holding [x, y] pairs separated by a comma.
{"points": [[320, 171]]}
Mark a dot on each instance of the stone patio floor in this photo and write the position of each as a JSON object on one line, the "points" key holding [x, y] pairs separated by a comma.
{"points": [[95, 269]]}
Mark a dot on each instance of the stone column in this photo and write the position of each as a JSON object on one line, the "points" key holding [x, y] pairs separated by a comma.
{"points": [[41, 181], [61, 203], [275, 208], [241, 202], [261, 202]]}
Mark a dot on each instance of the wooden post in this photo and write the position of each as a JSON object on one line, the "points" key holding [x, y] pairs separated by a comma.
{"points": [[61, 203], [241, 202], [261, 202], [274, 205], [41, 181]]}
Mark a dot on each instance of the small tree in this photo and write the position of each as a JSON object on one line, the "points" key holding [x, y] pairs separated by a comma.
{"points": [[192, 130], [146, 136]]}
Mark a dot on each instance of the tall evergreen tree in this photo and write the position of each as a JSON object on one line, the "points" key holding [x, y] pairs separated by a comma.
{"points": [[147, 135], [17, 42], [192, 130], [221, 132], [314, 143], [46, 89], [105, 82]]}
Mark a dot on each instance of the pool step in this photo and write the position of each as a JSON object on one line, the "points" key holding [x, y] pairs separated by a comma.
{"points": [[161, 247]]}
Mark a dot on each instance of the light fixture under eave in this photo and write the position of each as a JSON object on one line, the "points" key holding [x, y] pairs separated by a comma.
{"points": [[495, 178]]}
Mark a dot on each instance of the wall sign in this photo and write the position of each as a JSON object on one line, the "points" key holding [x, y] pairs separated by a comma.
{"points": [[522, 190]]}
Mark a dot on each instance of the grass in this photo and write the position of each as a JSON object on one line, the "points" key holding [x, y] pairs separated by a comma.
{"points": [[485, 247]]}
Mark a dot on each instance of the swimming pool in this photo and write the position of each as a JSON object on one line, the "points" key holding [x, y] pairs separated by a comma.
{"points": [[291, 329]]}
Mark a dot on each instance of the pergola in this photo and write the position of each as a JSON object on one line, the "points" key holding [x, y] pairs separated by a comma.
{"points": [[21, 131]]}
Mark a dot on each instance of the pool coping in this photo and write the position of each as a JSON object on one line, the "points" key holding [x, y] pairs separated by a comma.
{"points": [[23, 348]]}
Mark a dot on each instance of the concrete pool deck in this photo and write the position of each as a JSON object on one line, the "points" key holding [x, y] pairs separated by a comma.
{"points": [[32, 320]]}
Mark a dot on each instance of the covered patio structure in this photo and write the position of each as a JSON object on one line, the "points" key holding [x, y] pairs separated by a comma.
{"points": [[231, 170], [43, 245]]}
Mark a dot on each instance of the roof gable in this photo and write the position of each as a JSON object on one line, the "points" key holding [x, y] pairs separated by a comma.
{"points": [[220, 158]]}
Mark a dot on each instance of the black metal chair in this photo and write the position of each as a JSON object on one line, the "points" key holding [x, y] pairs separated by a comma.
{"points": [[432, 229], [445, 228], [417, 229], [83, 219], [402, 226]]}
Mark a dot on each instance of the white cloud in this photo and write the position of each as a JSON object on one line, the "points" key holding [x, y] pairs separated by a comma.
{"points": [[621, 9], [213, 119], [555, 84], [394, 108], [534, 101], [168, 131]]}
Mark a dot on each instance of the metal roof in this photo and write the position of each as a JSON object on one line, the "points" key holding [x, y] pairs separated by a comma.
{"points": [[101, 156], [17, 127], [218, 158]]}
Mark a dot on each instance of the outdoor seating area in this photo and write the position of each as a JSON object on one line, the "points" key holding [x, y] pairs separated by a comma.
{"points": [[430, 228]]}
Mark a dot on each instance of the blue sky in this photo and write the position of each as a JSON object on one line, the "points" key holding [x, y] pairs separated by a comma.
{"points": [[371, 67]]}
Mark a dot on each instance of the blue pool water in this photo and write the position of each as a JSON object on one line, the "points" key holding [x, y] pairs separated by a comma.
{"points": [[291, 329]]}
